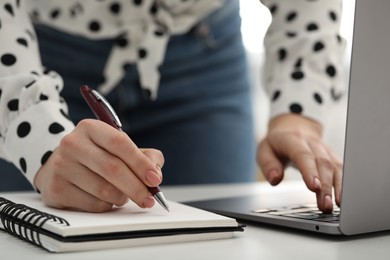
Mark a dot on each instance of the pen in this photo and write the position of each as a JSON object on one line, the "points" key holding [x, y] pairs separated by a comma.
{"points": [[104, 112]]}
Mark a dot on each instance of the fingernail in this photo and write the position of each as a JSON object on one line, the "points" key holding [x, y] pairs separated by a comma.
{"points": [[148, 202], [338, 198], [272, 177], [158, 170], [328, 202], [153, 178], [317, 183]]}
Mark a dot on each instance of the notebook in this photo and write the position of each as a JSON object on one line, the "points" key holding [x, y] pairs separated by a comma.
{"points": [[24, 215], [366, 174]]}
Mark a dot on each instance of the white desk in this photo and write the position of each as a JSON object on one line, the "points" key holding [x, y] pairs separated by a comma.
{"points": [[256, 242]]}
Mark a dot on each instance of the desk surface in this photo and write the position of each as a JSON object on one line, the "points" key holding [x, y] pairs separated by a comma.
{"points": [[256, 242]]}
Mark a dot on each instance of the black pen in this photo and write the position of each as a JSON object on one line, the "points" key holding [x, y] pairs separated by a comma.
{"points": [[104, 112]]}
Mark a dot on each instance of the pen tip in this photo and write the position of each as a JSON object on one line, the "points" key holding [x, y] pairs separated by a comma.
{"points": [[165, 205], [161, 200]]}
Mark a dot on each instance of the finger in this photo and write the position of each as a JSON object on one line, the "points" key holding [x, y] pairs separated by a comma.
{"points": [[157, 157], [120, 145], [67, 196], [270, 165], [116, 172], [337, 179], [94, 184], [154, 155], [324, 197], [108, 166], [326, 173], [298, 151]]}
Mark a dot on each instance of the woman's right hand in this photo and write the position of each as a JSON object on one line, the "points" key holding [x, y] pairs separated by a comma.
{"points": [[95, 167]]}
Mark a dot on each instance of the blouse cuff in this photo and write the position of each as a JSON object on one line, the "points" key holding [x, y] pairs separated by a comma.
{"points": [[34, 135]]}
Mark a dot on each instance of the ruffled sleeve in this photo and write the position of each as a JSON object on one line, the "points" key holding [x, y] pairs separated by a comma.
{"points": [[33, 117]]}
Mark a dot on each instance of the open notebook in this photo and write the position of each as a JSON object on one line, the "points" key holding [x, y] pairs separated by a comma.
{"points": [[24, 215]]}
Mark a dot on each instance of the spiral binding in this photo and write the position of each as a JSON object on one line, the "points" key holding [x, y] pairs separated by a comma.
{"points": [[25, 222]]}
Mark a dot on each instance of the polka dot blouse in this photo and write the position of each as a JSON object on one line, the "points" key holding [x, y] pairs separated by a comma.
{"points": [[303, 58]]}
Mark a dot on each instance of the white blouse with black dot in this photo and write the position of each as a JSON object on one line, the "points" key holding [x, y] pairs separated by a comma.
{"points": [[304, 54]]}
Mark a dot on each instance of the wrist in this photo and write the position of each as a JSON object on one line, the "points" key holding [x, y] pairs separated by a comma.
{"points": [[294, 121]]}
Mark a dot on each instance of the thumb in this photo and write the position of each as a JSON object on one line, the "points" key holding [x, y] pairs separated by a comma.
{"points": [[270, 165]]}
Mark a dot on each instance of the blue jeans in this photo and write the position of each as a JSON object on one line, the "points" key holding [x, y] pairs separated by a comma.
{"points": [[202, 118]]}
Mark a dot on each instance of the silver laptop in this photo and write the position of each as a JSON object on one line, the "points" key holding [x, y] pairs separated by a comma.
{"points": [[365, 205]]}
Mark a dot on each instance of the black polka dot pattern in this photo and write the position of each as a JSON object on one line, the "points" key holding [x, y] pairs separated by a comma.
{"points": [[297, 73], [43, 97], [317, 98], [291, 34], [331, 70], [296, 47], [142, 29], [54, 14], [8, 59], [94, 26], [312, 27], [45, 157], [296, 108], [159, 33], [115, 8], [333, 15], [23, 164], [13, 105], [56, 128], [154, 9], [142, 53], [64, 114], [291, 16], [123, 42], [276, 95], [318, 46], [24, 129], [302, 66], [282, 54], [22, 41], [9, 8], [273, 8]]}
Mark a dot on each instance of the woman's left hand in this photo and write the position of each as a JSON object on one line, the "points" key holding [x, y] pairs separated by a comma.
{"points": [[295, 139]]}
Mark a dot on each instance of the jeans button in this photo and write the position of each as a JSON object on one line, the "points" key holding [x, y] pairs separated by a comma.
{"points": [[203, 30]]}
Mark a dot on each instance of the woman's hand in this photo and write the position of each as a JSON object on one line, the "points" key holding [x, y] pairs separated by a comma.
{"points": [[296, 139], [96, 167]]}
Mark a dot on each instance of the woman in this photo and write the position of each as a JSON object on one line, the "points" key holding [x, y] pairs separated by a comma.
{"points": [[175, 72]]}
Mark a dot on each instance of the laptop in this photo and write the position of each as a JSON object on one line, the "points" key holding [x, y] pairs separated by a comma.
{"points": [[365, 205]]}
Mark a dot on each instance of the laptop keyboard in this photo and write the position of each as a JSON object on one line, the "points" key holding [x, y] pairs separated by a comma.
{"points": [[309, 212]]}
